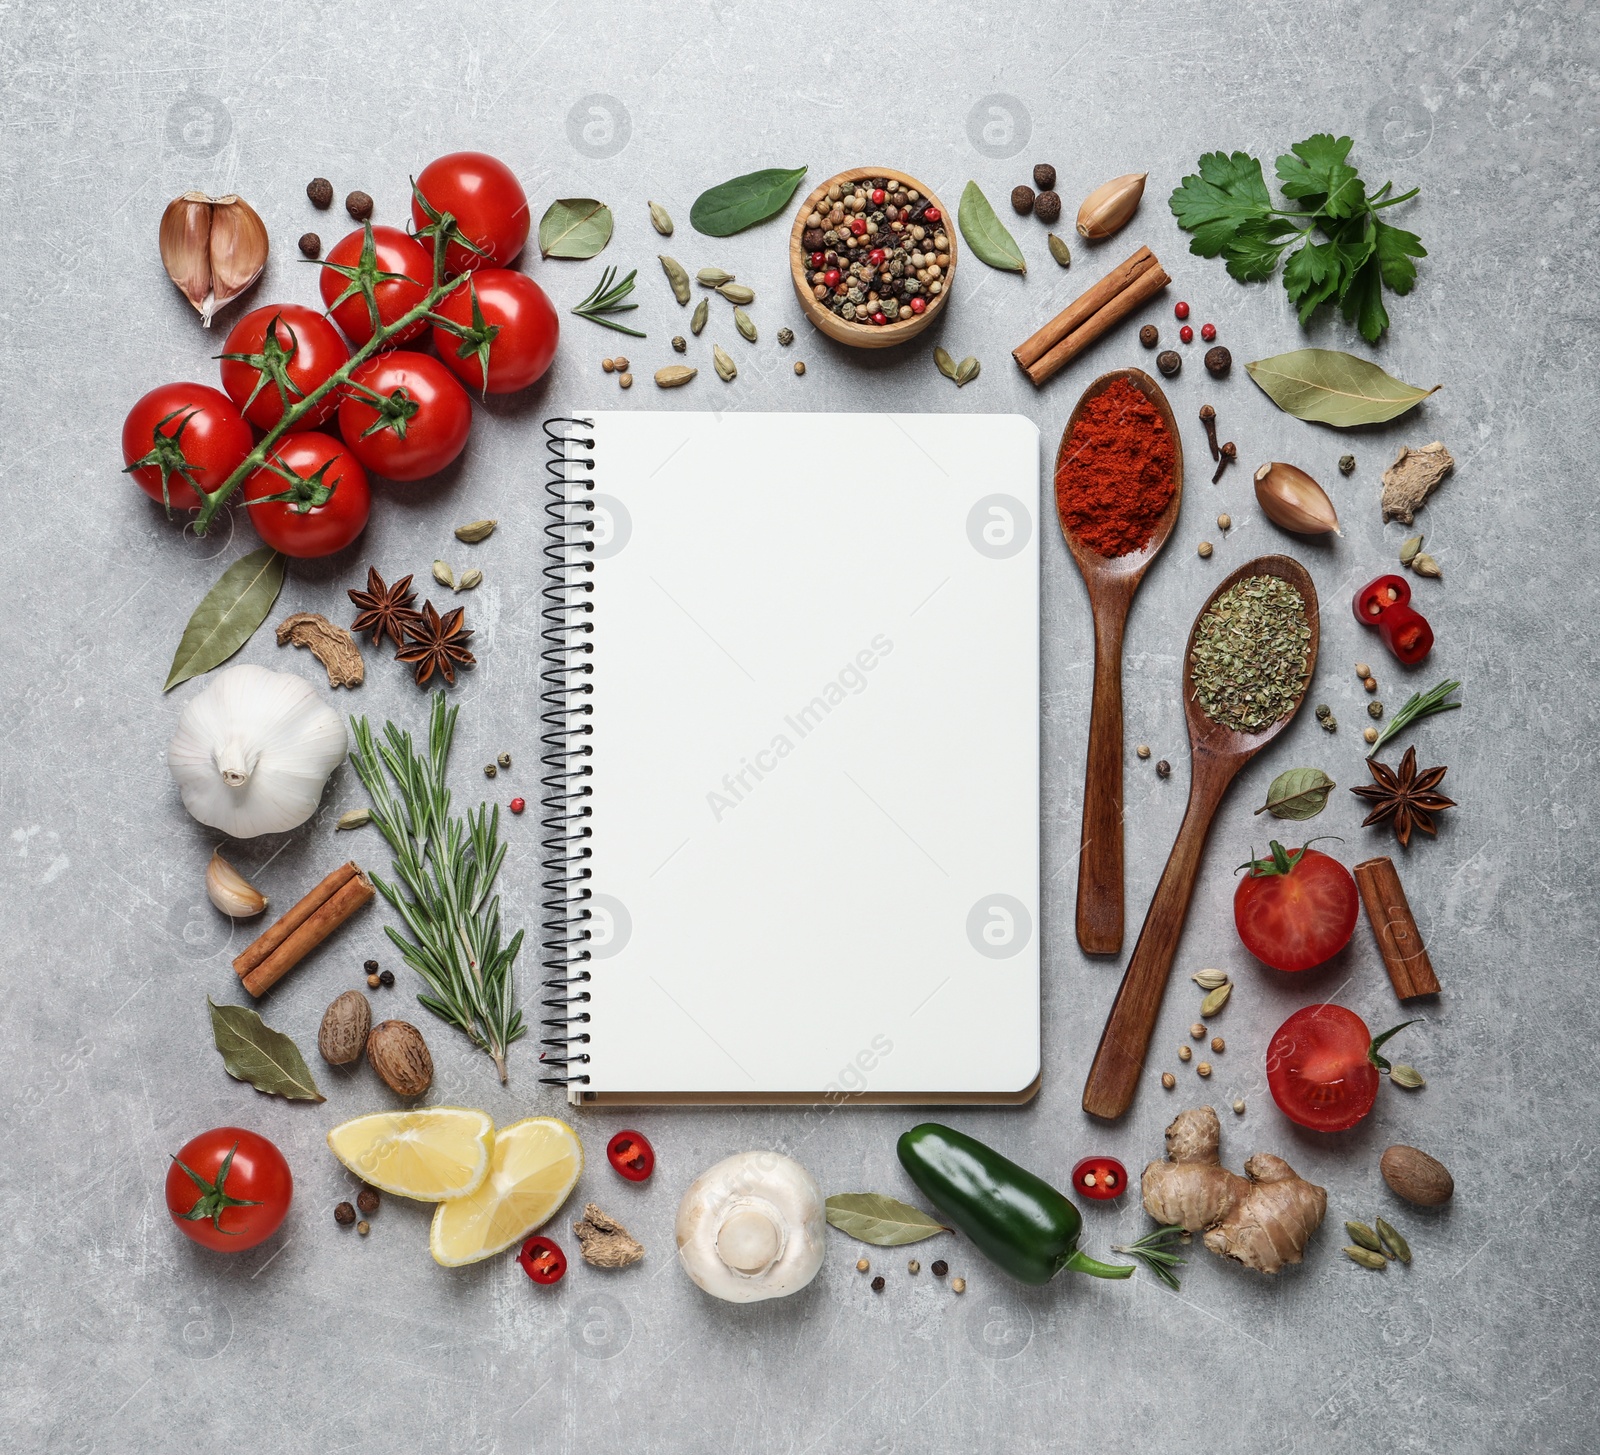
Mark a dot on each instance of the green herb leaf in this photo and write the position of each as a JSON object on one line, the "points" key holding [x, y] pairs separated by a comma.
{"points": [[742, 202], [252, 1051], [1158, 1251], [986, 235], [1315, 172], [1301, 793], [884, 1221], [1330, 387], [1418, 705], [574, 227], [229, 615], [607, 297]]}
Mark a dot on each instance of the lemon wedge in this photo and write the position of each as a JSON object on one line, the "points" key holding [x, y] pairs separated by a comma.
{"points": [[534, 1166], [433, 1153]]}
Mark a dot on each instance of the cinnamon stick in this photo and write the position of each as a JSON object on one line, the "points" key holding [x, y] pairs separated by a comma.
{"points": [[1083, 308], [268, 958], [1395, 929], [1139, 292]]}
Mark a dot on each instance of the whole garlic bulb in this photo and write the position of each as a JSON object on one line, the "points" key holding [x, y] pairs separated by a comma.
{"points": [[253, 751]]}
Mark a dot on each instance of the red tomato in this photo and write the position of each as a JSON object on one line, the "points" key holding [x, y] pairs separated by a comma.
{"points": [[486, 202], [1296, 909], [417, 426], [1319, 1068], [264, 377], [509, 331], [228, 1189], [400, 270], [1099, 1178], [542, 1260], [631, 1154], [183, 438], [331, 500]]}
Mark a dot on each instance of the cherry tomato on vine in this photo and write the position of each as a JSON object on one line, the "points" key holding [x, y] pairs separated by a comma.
{"points": [[417, 425], [542, 1260], [399, 269], [328, 497], [508, 331], [1099, 1179], [486, 201], [1323, 1067], [1296, 909], [228, 1189], [264, 376], [183, 438], [631, 1154]]}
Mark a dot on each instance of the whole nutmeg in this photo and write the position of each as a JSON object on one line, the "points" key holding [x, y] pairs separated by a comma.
{"points": [[400, 1057], [359, 206], [311, 244], [1048, 207], [320, 191], [1169, 361], [1416, 1176], [1218, 361], [345, 1025], [1044, 176], [1022, 199]]}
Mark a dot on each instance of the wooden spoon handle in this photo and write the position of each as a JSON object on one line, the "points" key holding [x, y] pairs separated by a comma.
{"points": [[1118, 1062], [1100, 863]]}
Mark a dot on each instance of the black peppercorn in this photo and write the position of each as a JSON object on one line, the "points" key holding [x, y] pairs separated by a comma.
{"points": [[1048, 208], [1149, 335], [1169, 362], [371, 967], [1218, 361], [344, 1215], [877, 1284], [367, 1200], [386, 978], [310, 244], [1044, 176], [939, 1268], [359, 206], [1022, 199], [1347, 463], [1163, 769], [320, 191]]}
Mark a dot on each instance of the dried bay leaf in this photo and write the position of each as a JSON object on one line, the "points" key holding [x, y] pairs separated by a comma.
{"points": [[741, 202], [574, 227], [228, 615], [986, 235], [252, 1051], [1298, 794], [1328, 386], [884, 1221]]}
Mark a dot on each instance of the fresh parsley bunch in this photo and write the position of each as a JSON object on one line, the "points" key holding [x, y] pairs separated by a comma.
{"points": [[1229, 210]]}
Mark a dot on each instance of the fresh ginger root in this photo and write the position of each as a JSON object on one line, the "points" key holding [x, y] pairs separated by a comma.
{"points": [[1263, 1220]]}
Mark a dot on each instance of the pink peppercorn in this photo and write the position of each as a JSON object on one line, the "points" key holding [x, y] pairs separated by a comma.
{"points": [[858, 225], [934, 215], [1208, 331], [1186, 334], [878, 195], [919, 305], [1181, 310], [518, 804]]}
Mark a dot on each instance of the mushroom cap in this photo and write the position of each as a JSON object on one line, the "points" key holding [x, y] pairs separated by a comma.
{"points": [[752, 1227]]}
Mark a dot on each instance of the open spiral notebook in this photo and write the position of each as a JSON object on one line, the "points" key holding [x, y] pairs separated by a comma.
{"points": [[791, 716]]}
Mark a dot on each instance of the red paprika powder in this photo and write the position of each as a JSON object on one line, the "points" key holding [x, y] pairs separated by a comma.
{"points": [[1114, 477]]}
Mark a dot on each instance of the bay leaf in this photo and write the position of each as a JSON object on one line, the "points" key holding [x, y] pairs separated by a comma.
{"points": [[228, 615], [741, 202], [574, 227], [986, 235], [1328, 386], [252, 1051], [946, 365], [884, 1221], [1299, 794]]}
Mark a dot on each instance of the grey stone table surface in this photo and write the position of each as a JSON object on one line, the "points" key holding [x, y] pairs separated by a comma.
{"points": [[118, 1335]]}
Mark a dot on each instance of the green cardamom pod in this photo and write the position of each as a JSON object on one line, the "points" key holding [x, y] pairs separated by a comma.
{"points": [[967, 370], [1060, 251], [675, 375], [1392, 1241], [356, 818], [947, 365], [677, 276], [1217, 999], [1424, 565], [469, 579], [1210, 979], [660, 219], [743, 322], [476, 530], [727, 370], [737, 293], [1360, 1233], [443, 574], [1406, 1076], [702, 311], [713, 277], [1366, 1258], [1409, 549]]}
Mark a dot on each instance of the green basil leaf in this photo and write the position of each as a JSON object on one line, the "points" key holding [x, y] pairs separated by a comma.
{"points": [[884, 1221], [986, 235], [1299, 794], [742, 202], [1327, 386], [228, 616], [574, 227], [252, 1051]]}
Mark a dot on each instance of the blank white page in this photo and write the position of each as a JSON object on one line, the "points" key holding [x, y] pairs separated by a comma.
{"points": [[815, 820]]}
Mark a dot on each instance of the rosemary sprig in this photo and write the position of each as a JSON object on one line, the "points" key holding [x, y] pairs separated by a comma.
{"points": [[1418, 705], [606, 299], [446, 867], [1158, 1252]]}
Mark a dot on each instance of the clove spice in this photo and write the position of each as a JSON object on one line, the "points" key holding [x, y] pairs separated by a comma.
{"points": [[1226, 455], [1208, 417]]}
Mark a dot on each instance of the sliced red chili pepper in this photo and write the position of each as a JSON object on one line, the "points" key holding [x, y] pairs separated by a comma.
{"points": [[542, 1260], [632, 1155], [1378, 596], [1406, 633], [1099, 1179]]}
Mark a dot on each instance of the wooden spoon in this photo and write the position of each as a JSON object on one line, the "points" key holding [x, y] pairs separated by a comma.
{"points": [[1217, 753], [1111, 581]]}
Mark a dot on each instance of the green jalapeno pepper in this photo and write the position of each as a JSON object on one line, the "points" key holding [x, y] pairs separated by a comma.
{"points": [[1015, 1218]]}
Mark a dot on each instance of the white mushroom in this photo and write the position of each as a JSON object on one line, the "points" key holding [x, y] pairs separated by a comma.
{"points": [[752, 1227]]}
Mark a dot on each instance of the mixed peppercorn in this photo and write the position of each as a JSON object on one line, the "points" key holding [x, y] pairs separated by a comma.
{"points": [[876, 249]]}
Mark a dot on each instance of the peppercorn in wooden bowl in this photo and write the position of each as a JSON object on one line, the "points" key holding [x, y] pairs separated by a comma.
{"points": [[894, 293]]}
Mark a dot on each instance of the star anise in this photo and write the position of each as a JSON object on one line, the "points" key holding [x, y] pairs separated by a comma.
{"points": [[1406, 796], [433, 643], [385, 609]]}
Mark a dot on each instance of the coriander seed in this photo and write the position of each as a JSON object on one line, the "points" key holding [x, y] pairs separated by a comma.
{"points": [[1370, 734], [1203, 550], [373, 982], [1371, 684], [1184, 1053], [1224, 521], [1203, 1069], [863, 1265], [958, 1285], [1168, 1080], [913, 1268], [1238, 1107], [1198, 1031], [626, 380], [1218, 1044], [1363, 671], [363, 1227], [1143, 750], [620, 364], [609, 365], [1163, 769], [799, 366]]}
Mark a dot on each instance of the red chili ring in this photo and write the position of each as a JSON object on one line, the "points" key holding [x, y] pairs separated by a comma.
{"points": [[542, 1260], [1099, 1179], [631, 1154]]}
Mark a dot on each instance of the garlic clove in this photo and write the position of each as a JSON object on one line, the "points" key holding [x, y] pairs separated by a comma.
{"points": [[1292, 499], [213, 248], [186, 246], [230, 891], [1109, 207]]}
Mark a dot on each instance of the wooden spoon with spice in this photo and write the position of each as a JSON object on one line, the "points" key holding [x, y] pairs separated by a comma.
{"points": [[1119, 486], [1260, 688]]}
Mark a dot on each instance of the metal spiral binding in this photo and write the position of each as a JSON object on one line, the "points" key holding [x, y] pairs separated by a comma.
{"points": [[567, 632]]}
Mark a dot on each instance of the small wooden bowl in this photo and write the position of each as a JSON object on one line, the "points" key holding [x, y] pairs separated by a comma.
{"points": [[865, 335]]}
